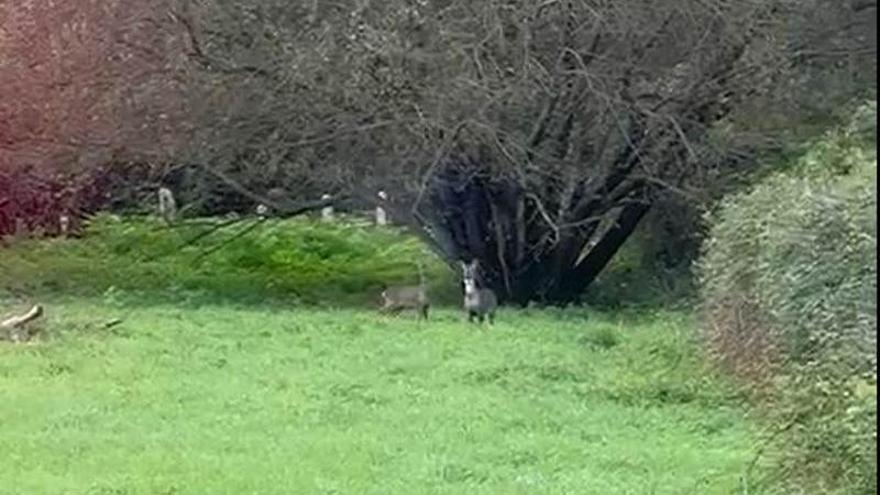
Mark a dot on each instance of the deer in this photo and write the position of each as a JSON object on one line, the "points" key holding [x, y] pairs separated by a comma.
{"points": [[479, 303], [399, 298]]}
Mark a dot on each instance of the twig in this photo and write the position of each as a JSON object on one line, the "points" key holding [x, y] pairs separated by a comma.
{"points": [[259, 198], [354, 130], [238, 235], [189, 242], [545, 215], [112, 323], [438, 157]]}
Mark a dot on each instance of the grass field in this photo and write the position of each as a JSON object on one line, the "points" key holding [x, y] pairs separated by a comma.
{"points": [[221, 399]]}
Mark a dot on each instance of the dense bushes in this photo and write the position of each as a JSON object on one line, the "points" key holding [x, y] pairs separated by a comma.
{"points": [[642, 275], [344, 262], [788, 281], [33, 201], [654, 268]]}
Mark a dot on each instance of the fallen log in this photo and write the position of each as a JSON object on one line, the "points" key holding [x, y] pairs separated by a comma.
{"points": [[17, 321], [11, 326]]}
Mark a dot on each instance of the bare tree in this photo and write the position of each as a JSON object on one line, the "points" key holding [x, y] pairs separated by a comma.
{"points": [[533, 137], [614, 105]]}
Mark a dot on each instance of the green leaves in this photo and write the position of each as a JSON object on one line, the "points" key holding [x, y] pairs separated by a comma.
{"points": [[788, 284]]}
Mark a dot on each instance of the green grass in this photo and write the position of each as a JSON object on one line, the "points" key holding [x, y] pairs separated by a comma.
{"points": [[346, 262], [211, 399]]}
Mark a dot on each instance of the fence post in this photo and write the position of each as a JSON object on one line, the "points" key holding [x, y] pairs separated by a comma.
{"points": [[327, 211], [381, 215], [64, 225], [167, 205]]}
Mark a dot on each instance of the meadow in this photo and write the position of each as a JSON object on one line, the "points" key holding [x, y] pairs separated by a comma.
{"points": [[197, 391], [223, 399]]}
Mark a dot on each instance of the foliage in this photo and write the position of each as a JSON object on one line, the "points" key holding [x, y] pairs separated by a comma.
{"points": [[304, 259], [843, 150], [217, 398], [344, 262], [86, 84], [32, 201], [654, 267], [788, 281], [554, 116], [562, 113], [641, 274]]}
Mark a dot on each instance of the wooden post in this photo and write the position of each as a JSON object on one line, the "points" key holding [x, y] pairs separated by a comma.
{"points": [[21, 230], [327, 211], [167, 205], [64, 225], [381, 215]]}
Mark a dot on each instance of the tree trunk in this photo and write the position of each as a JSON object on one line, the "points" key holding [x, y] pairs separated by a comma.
{"points": [[523, 256], [576, 280]]}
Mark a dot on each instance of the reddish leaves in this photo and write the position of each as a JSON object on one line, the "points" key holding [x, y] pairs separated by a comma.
{"points": [[33, 203], [85, 82]]}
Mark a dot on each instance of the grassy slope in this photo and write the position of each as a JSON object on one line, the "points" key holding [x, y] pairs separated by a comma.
{"points": [[218, 399], [346, 262]]}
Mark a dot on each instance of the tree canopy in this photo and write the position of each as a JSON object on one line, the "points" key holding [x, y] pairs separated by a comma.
{"points": [[533, 136]]}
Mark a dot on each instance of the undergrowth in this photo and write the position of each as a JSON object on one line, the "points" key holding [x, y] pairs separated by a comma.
{"points": [[346, 262], [789, 300]]}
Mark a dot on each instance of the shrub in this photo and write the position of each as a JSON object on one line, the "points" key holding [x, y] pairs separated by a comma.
{"points": [[653, 267], [788, 287], [33, 201]]}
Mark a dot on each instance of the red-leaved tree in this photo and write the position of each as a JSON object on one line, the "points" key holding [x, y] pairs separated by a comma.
{"points": [[87, 85]]}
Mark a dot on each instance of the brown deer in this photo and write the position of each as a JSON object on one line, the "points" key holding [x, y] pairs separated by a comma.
{"points": [[397, 299]]}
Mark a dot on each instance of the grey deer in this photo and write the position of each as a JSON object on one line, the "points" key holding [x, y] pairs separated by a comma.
{"points": [[397, 299], [479, 302]]}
